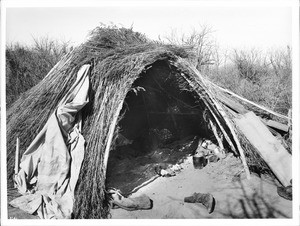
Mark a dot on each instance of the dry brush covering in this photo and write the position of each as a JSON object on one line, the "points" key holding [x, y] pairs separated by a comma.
{"points": [[118, 56]]}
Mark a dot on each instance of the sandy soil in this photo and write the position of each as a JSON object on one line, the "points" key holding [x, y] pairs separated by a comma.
{"points": [[128, 167], [236, 196], [16, 213]]}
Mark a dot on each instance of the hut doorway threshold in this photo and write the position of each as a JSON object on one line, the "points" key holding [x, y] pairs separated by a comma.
{"points": [[162, 123]]}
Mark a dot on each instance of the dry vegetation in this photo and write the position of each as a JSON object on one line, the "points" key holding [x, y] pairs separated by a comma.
{"points": [[262, 77], [265, 79], [118, 56], [27, 65]]}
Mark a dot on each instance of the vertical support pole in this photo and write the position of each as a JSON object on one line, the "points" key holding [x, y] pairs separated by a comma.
{"points": [[290, 118], [290, 125], [17, 158], [147, 112], [170, 110]]}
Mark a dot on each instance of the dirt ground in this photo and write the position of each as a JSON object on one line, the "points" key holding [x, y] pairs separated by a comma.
{"points": [[235, 195], [16, 213]]}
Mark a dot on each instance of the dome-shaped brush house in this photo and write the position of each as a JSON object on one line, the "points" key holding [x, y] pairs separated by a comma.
{"points": [[145, 91]]}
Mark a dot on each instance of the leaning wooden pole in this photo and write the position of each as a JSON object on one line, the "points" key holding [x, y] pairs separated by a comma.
{"points": [[17, 158], [111, 134], [216, 119], [214, 129], [230, 126], [228, 122], [249, 102]]}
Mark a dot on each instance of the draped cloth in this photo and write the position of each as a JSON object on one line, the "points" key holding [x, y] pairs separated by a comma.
{"points": [[50, 166]]}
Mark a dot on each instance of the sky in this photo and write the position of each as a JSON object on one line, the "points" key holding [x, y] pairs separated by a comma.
{"points": [[262, 27]]}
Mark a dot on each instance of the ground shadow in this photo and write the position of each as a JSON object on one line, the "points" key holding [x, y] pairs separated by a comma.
{"points": [[251, 203]]}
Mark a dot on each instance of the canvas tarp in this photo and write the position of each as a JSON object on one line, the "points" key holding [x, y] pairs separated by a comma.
{"points": [[50, 166]]}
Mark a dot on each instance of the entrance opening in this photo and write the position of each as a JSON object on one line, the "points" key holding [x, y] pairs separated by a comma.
{"points": [[162, 122]]}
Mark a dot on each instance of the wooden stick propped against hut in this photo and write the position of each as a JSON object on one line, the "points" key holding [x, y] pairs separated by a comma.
{"points": [[17, 158], [214, 129], [248, 101], [227, 120]]}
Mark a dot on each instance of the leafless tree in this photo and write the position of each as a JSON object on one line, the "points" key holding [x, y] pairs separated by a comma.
{"points": [[279, 81], [250, 64], [201, 41], [50, 51]]}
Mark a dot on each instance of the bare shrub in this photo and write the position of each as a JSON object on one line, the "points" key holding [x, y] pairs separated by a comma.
{"points": [[201, 41], [276, 86], [265, 78], [27, 65], [250, 64]]}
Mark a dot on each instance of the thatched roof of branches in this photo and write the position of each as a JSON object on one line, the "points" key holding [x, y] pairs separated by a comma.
{"points": [[118, 57]]}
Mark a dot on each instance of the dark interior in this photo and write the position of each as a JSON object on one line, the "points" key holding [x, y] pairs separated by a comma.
{"points": [[164, 121]]}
